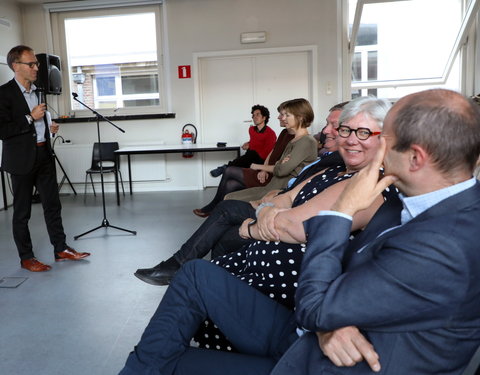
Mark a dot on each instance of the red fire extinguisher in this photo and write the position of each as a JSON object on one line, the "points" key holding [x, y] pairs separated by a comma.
{"points": [[189, 138]]}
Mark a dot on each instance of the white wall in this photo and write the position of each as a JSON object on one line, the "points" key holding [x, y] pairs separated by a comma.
{"points": [[215, 25], [10, 36], [205, 26]]}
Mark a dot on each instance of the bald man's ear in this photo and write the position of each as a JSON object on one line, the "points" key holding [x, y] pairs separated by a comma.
{"points": [[417, 157]]}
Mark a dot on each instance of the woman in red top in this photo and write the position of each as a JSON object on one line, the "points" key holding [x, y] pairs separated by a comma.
{"points": [[261, 142], [262, 138], [237, 178]]}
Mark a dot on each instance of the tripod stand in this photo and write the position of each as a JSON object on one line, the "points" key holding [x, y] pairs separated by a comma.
{"points": [[36, 196], [105, 223], [42, 98], [65, 176]]}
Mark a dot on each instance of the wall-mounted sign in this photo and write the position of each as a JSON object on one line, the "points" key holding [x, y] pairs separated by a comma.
{"points": [[184, 71]]}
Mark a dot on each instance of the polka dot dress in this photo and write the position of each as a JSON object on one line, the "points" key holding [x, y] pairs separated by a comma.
{"points": [[271, 267]]}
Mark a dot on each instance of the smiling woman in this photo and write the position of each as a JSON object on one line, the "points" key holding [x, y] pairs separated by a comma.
{"points": [[360, 124], [271, 263]]}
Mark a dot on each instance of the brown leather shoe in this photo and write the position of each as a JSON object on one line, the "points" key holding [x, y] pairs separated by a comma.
{"points": [[69, 254], [34, 265], [199, 212]]}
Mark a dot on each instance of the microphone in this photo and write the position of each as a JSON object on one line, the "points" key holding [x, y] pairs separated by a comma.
{"points": [[48, 117], [74, 94], [42, 98]]}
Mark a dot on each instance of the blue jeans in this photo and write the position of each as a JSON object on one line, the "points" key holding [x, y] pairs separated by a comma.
{"points": [[260, 328]]}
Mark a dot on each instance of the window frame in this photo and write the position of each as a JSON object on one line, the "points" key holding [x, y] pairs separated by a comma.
{"points": [[57, 18], [119, 95], [462, 40]]}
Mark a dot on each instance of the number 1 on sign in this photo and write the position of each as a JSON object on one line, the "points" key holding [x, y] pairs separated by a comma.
{"points": [[184, 71]]}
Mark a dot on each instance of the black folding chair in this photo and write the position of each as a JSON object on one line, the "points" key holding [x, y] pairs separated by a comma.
{"points": [[107, 164]]}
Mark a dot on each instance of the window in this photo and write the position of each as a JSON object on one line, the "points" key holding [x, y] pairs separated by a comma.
{"points": [[111, 59], [401, 46]]}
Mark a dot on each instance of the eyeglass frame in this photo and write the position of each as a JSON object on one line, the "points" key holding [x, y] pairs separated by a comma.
{"points": [[30, 64], [342, 125]]}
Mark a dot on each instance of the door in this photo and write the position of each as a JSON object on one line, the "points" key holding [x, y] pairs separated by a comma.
{"points": [[230, 84]]}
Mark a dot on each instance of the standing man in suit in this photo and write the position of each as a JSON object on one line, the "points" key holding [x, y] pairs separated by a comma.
{"points": [[409, 292], [27, 156]]}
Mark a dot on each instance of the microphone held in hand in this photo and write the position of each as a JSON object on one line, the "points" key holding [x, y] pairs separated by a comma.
{"points": [[42, 98], [47, 116]]}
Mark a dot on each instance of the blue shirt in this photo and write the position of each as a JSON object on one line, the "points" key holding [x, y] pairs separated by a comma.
{"points": [[32, 100], [292, 180], [414, 206]]}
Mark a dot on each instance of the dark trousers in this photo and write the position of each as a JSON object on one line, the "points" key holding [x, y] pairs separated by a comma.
{"points": [[218, 232], [44, 178], [232, 180], [260, 328], [246, 160]]}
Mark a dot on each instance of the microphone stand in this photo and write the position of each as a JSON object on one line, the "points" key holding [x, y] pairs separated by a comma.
{"points": [[105, 223]]}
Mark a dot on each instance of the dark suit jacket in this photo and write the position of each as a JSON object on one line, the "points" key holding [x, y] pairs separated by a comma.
{"points": [[414, 292], [18, 136], [327, 161]]}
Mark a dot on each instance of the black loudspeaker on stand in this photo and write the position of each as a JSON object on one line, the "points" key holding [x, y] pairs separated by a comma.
{"points": [[105, 223], [49, 77], [49, 81]]}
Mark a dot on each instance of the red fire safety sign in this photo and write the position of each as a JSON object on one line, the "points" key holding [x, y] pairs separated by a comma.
{"points": [[184, 71]]}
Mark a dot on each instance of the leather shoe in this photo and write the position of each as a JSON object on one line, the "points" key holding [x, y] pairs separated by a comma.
{"points": [[161, 274], [33, 265], [70, 254], [218, 171], [199, 212]]}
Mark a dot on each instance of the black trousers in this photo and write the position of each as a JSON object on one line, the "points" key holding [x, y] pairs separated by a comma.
{"points": [[246, 160], [44, 178], [218, 233]]}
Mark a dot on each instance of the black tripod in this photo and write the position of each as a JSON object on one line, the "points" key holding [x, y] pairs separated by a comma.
{"points": [[42, 98], [105, 223], [65, 177]]}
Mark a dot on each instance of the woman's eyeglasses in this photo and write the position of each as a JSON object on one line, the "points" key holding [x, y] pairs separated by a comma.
{"points": [[363, 134]]}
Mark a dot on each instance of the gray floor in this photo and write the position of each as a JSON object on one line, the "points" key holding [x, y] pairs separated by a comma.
{"points": [[85, 317]]}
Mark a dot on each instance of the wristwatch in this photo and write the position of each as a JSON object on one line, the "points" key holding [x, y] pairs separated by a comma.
{"points": [[261, 206], [29, 119]]}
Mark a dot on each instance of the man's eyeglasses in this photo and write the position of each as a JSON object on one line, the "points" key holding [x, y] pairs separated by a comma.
{"points": [[363, 134], [30, 64]]}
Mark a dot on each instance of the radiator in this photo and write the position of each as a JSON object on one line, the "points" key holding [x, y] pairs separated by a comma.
{"points": [[76, 159]]}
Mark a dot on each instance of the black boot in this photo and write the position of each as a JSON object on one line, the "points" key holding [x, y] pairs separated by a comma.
{"points": [[161, 274]]}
